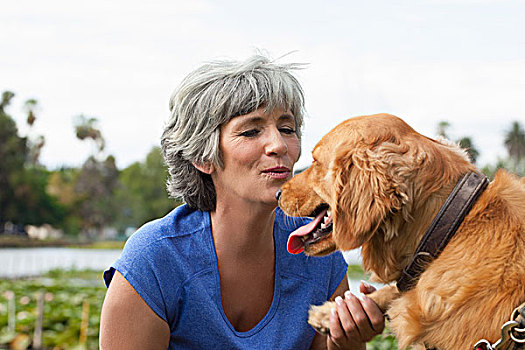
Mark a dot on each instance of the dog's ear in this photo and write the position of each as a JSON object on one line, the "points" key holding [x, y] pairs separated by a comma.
{"points": [[370, 183]]}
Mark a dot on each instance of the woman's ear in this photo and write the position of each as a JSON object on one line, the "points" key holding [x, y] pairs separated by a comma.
{"points": [[205, 167]]}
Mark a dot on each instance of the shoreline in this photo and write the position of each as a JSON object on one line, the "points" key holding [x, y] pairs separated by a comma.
{"points": [[14, 241]]}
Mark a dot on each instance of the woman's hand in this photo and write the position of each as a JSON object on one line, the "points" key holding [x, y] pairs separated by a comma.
{"points": [[355, 321]]}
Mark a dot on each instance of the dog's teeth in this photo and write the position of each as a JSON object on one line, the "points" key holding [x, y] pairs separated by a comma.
{"points": [[323, 225], [329, 212]]}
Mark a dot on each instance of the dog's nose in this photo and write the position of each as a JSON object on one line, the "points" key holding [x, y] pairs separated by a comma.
{"points": [[278, 195]]}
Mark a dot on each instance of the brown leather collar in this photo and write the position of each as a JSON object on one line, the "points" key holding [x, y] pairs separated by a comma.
{"points": [[443, 227]]}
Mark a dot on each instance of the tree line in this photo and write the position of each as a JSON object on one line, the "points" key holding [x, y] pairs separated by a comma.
{"points": [[514, 142], [84, 201]]}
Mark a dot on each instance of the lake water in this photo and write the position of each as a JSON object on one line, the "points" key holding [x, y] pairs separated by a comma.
{"points": [[24, 262]]}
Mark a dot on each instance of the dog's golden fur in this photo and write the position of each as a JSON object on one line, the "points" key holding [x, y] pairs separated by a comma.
{"points": [[384, 183]]}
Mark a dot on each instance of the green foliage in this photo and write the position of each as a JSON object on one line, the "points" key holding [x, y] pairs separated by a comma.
{"points": [[384, 341], [467, 144], [141, 195], [33, 205], [442, 128], [35, 144], [464, 142], [490, 170], [12, 154], [61, 185], [65, 293], [356, 272], [95, 187], [86, 128], [101, 245], [23, 196], [514, 141], [13, 150], [515, 144]]}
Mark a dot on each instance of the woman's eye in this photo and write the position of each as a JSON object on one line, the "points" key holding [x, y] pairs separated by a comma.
{"points": [[250, 133], [287, 131]]}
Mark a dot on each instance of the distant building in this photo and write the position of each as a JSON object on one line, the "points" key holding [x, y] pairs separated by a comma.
{"points": [[12, 229], [45, 231]]}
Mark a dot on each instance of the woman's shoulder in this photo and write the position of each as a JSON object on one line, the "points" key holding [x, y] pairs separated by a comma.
{"points": [[180, 222], [162, 246]]}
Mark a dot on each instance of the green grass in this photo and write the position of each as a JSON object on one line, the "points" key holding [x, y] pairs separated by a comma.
{"points": [[12, 241], [384, 341], [356, 272], [100, 245]]}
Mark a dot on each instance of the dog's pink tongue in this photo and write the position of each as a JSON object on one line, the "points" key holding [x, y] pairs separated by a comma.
{"points": [[295, 243]]}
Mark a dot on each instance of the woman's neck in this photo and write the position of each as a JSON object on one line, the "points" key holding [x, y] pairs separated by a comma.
{"points": [[242, 229]]}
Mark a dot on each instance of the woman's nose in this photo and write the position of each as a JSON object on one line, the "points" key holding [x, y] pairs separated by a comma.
{"points": [[276, 144]]}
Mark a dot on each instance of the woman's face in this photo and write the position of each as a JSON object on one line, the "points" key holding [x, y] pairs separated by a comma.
{"points": [[258, 151]]}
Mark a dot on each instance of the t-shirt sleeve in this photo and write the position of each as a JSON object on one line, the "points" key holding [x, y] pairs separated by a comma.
{"points": [[139, 264], [339, 270]]}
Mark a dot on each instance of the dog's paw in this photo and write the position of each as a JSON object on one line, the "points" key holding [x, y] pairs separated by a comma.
{"points": [[319, 317]]}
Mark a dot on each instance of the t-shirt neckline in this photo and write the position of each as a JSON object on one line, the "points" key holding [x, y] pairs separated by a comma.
{"points": [[277, 286]]}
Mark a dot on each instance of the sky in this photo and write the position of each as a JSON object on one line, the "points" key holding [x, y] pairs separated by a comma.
{"points": [[426, 61]]}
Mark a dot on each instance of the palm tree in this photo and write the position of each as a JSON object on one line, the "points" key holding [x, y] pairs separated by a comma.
{"points": [[85, 128], [466, 143], [442, 128], [515, 143], [30, 107], [35, 143], [6, 100]]}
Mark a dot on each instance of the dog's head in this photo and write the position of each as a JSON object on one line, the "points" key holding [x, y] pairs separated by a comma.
{"points": [[367, 177]]}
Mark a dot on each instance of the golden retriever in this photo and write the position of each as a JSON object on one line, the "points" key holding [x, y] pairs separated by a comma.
{"points": [[379, 184]]}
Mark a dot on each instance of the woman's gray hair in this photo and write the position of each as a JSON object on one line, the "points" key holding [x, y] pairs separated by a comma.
{"points": [[206, 99]]}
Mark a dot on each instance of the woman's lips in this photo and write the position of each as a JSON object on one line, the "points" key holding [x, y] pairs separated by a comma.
{"points": [[278, 172]]}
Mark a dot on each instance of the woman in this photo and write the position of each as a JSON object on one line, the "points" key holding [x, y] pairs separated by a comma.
{"points": [[214, 273]]}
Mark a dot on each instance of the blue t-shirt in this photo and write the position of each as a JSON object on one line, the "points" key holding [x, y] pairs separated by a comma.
{"points": [[172, 264]]}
